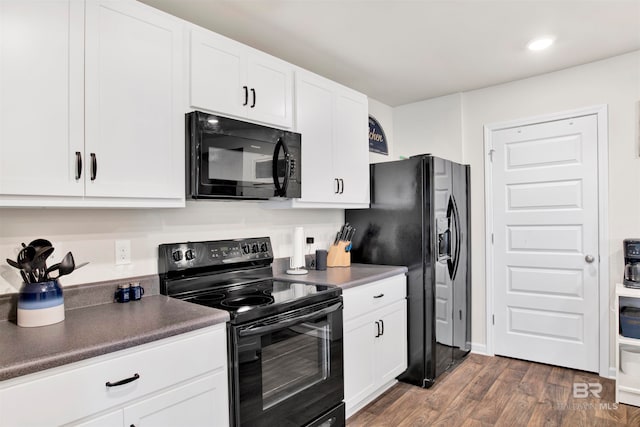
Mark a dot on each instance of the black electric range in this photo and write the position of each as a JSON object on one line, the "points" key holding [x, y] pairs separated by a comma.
{"points": [[274, 325], [236, 276]]}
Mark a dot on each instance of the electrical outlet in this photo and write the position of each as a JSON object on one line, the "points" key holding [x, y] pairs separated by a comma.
{"points": [[310, 240], [123, 252]]}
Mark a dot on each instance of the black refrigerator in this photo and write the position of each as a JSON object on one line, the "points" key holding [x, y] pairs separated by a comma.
{"points": [[419, 218]]}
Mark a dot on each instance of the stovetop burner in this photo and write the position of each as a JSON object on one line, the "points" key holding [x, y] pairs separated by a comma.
{"points": [[235, 276], [246, 302]]}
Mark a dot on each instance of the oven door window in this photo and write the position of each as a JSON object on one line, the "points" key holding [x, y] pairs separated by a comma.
{"points": [[293, 360], [287, 375]]}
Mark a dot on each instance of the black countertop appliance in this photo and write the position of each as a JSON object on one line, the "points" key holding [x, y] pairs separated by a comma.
{"points": [[419, 217]]}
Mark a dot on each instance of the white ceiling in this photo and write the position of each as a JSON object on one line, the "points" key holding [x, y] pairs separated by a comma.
{"points": [[401, 51]]}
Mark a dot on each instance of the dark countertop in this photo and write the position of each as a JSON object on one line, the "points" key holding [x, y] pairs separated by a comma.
{"points": [[346, 277], [93, 331]]}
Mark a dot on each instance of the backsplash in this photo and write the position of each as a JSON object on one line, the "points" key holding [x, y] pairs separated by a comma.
{"points": [[91, 234]]}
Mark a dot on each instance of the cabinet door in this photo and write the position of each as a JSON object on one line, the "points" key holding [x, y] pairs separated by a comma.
{"points": [[315, 121], [112, 419], [134, 121], [270, 86], [218, 74], [360, 374], [41, 96], [391, 346], [351, 144], [203, 402]]}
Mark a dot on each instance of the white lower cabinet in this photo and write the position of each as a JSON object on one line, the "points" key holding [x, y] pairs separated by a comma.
{"points": [[375, 339], [627, 350], [177, 381]]}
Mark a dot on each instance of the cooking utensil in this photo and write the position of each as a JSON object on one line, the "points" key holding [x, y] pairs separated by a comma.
{"points": [[13, 264], [25, 258], [24, 277], [64, 267], [38, 264], [40, 243]]}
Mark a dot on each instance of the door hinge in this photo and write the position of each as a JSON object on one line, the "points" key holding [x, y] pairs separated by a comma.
{"points": [[491, 151], [492, 238], [493, 319]]}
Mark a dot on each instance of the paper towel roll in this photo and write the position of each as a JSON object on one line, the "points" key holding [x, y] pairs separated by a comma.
{"points": [[296, 262], [297, 259]]}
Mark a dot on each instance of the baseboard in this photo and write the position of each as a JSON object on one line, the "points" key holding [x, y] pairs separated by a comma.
{"points": [[350, 411], [479, 348], [613, 372]]}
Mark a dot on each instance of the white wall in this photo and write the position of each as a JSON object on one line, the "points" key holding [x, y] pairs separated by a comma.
{"points": [[384, 115], [427, 126], [90, 234], [432, 126], [615, 82]]}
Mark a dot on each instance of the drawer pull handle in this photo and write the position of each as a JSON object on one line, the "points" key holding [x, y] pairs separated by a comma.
{"points": [[378, 296], [122, 382], [377, 329]]}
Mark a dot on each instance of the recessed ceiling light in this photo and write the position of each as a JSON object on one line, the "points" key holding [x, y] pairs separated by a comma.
{"points": [[540, 43]]}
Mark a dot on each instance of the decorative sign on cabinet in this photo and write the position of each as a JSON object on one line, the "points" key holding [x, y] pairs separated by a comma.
{"points": [[90, 105]]}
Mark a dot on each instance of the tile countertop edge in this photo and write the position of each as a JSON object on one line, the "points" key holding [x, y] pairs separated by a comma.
{"points": [[345, 277], [104, 341]]}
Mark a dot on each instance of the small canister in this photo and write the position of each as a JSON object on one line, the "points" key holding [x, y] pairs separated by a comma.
{"points": [[135, 291], [122, 294]]}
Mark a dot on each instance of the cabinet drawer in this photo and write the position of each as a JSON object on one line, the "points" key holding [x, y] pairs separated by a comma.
{"points": [[71, 392], [362, 299]]}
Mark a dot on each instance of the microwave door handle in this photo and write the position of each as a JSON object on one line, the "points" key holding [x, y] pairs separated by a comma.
{"points": [[261, 330], [281, 189]]}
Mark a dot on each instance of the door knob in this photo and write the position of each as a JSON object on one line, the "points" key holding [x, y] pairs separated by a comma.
{"points": [[589, 258]]}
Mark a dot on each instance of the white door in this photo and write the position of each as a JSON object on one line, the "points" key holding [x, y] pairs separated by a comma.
{"points": [[270, 90], [391, 346], [134, 123], [41, 97], [351, 147], [199, 403], [545, 225], [218, 74], [315, 121]]}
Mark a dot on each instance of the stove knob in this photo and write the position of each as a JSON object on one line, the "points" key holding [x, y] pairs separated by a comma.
{"points": [[177, 256], [264, 247], [254, 248], [189, 254]]}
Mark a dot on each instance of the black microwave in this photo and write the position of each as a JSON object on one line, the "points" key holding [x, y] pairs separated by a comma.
{"points": [[232, 159]]}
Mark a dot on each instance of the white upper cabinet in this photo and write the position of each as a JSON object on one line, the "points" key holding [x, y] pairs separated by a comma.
{"points": [[134, 121], [41, 97], [232, 79], [333, 121], [91, 97]]}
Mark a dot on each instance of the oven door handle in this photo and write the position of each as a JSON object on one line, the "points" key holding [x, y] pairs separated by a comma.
{"points": [[259, 330]]}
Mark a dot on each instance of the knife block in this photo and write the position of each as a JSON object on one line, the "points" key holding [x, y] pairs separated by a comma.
{"points": [[337, 256]]}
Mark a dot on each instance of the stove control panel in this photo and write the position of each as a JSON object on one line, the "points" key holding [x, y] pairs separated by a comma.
{"points": [[180, 256]]}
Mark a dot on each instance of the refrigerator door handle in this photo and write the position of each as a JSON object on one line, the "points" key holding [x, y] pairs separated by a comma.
{"points": [[452, 264]]}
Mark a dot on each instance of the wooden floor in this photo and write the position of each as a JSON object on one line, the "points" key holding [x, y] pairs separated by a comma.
{"points": [[497, 391]]}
